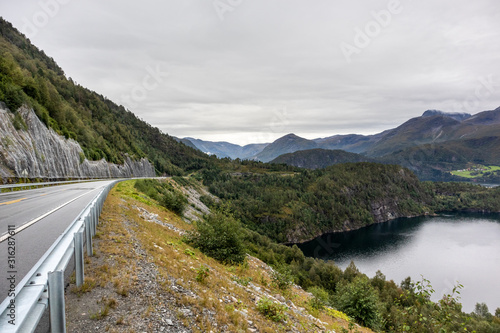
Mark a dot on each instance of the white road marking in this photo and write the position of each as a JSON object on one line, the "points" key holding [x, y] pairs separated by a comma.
{"points": [[26, 225]]}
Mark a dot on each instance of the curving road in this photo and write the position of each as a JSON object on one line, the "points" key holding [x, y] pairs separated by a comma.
{"points": [[38, 217]]}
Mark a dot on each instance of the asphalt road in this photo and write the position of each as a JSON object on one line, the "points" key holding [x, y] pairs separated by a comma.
{"points": [[26, 209]]}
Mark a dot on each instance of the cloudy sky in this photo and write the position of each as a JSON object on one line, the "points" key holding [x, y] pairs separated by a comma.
{"points": [[249, 71]]}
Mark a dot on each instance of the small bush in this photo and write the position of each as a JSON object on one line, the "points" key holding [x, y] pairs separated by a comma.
{"points": [[244, 281], [165, 194], [202, 273], [274, 311], [282, 277], [219, 237], [175, 201], [360, 301], [320, 298], [189, 252], [13, 96], [337, 314], [19, 123], [207, 200]]}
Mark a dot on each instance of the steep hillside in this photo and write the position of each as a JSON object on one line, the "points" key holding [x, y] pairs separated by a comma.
{"points": [[160, 283], [33, 151], [102, 128], [319, 158]]}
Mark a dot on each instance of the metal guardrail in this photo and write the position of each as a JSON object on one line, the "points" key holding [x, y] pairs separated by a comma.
{"points": [[12, 186], [43, 286]]}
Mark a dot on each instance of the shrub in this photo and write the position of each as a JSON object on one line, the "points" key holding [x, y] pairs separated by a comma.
{"points": [[13, 96], [337, 314], [271, 310], [219, 237], [320, 298], [202, 273], [359, 300], [19, 123], [207, 200], [282, 277], [244, 281], [164, 193], [175, 201]]}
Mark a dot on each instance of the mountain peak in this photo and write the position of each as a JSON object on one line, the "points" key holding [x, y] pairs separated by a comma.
{"points": [[455, 115], [291, 136]]}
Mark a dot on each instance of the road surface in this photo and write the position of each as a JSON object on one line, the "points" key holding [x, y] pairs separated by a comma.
{"points": [[38, 218]]}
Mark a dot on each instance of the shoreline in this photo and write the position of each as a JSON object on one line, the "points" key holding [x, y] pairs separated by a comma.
{"points": [[436, 214]]}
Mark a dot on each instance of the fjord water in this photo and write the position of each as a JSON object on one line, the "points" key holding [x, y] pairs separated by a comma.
{"points": [[443, 249]]}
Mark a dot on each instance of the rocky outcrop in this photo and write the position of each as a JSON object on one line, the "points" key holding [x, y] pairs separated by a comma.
{"points": [[385, 210], [35, 151]]}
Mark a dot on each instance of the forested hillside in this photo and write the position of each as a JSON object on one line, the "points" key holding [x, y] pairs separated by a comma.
{"points": [[295, 205], [292, 207], [103, 129], [320, 158]]}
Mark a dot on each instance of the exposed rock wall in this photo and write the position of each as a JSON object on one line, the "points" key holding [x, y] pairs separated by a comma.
{"points": [[39, 152]]}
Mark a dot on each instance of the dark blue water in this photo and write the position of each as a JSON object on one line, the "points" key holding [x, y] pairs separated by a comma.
{"points": [[444, 249]]}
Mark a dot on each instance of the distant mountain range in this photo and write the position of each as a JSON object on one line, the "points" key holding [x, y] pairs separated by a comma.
{"points": [[224, 149], [430, 144]]}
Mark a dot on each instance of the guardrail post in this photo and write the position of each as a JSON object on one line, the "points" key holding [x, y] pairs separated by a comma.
{"points": [[92, 220], [79, 269], [88, 236], [96, 217], [56, 302]]}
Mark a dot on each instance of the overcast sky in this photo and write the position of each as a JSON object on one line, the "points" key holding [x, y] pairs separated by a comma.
{"points": [[250, 71]]}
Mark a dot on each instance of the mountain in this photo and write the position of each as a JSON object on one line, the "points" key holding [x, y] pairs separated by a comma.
{"points": [[319, 158], [104, 130], [455, 115], [186, 142], [416, 131], [486, 118], [432, 127], [436, 127], [354, 143], [429, 160], [430, 145], [226, 149], [287, 144]]}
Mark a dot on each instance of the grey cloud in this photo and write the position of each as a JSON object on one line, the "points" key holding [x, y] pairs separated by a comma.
{"points": [[228, 78]]}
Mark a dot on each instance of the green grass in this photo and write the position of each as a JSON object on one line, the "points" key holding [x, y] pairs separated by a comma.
{"points": [[475, 171]]}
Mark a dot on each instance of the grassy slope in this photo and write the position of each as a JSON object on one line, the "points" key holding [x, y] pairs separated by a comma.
{"points": [[113, 279], [473, 173]]}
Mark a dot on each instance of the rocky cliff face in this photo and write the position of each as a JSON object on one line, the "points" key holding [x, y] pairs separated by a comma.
{"points": [[35, 151]]}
